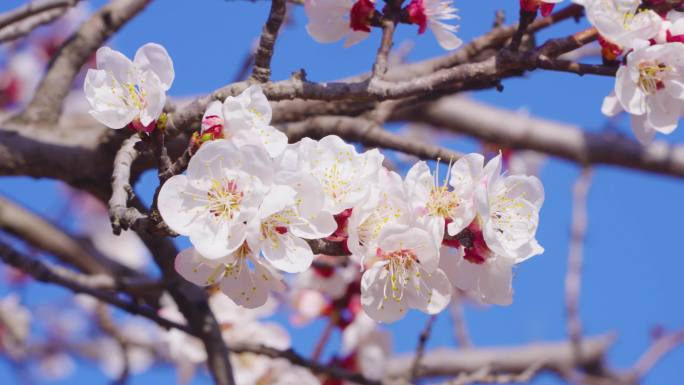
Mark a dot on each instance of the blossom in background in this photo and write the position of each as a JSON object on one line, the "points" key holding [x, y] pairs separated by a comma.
{"points": [[93, 222], [365, 347], [19, 79], [244, 119], [15, 322], [283, 372], [622, 22], [249, 368], [404, 274], [432, 14], [122, 92], [184, 351], [333, 20], [650, 86], [56, 366], [139, 358]]}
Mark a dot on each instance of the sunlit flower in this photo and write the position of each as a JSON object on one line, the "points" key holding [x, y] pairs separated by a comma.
{"points": [[623, 22], [387, 204], [218, 201], [291, 212], [502, 234], [650, 86], [244, 119], [121, 91], [404, 275], [241, 275], [344, 174], [448, 203]]}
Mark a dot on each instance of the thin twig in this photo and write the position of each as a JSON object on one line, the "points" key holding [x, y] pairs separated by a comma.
{"points": [[107, 324], [458, 319], [31, 9], [526, 18], [325, 336], [262, 59], [380, 65], [121, 215], [24, 27], [656, 352], [420, 349], [573, 278]]}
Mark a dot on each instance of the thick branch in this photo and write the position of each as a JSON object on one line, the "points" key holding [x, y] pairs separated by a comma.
{"points": [[46, 106], [557, 356], [78, 283], [366, 132], [513, 130], [380, 65], [192, 303], [46, 236]]}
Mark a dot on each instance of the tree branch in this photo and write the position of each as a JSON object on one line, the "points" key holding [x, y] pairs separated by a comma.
{"points": [[26, 26], [46, 236], [78, 283], [262, 59], [573, 278], [366, 132], [31, 9], [121, 215], [552, 356], [513, 130]]}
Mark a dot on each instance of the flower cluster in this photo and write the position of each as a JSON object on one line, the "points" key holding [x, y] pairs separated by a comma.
{"points": [[250, 204], [333, 20], [650, 81]]}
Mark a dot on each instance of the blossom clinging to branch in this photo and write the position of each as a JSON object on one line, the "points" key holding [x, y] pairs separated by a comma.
{"points": [[122, 92]]}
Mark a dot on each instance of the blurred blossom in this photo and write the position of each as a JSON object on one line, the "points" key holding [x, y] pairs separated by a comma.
{"points": [[93, 222], [139, 356], [15, 325], [56, 366]]}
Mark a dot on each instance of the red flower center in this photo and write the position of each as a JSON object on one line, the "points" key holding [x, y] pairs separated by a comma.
{"points": [[547, 8], [360, 15], [417, 15]]}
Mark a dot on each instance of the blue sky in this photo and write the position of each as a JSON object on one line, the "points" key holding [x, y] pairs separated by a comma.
{"points": [[633, 256]]}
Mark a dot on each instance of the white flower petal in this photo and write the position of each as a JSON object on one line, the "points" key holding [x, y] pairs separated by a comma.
{"points": [[154, 57]]}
